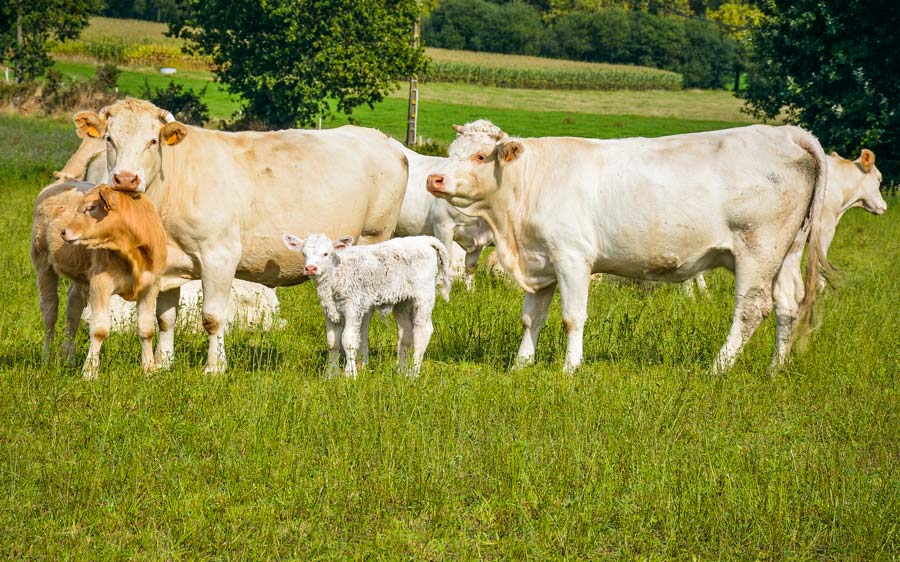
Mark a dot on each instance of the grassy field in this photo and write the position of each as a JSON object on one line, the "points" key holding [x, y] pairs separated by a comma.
{"points": [[640, 455]]}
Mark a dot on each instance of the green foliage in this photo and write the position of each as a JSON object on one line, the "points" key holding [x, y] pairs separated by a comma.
{"points": [[833, 69], [27, 29], [184, 103], [157, 10], [639, 456], [287, 58], [479, 25]]}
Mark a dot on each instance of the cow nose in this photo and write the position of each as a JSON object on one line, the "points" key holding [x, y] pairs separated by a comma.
{"points": [[435, 182], [311, 269], [125, 180]]}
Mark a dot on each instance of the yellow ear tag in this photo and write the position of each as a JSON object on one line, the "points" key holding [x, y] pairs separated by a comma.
{"points": [[172, 139], [93, 132]]}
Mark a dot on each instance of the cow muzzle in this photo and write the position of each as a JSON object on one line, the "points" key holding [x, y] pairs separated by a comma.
{"points": [[125, 181], [436, 184], [311, 270], [70, 235]]}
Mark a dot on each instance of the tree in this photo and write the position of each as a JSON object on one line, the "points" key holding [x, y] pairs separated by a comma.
{"points": [[288, 58], [27, 28], [832, 69]]}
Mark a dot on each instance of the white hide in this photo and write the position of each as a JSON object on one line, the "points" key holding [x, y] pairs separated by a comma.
{"points": [[663, 209], [250, 305], [463, 236], [353, 281]]}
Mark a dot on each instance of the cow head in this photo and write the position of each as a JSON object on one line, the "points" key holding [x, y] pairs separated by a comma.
{"points": [[95, 224], [77, 166], [860, 182], [476, 162], [321, 254], [135, 133]]}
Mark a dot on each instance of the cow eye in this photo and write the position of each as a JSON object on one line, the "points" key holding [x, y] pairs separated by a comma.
{"points": [[326, 254], [153, 142], [480, 157], [89, 208]]}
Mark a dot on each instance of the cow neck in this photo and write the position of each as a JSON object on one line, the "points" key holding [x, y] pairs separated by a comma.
{"points": [[174, 160]]}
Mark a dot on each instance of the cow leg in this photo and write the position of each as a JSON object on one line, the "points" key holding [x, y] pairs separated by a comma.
{"points": [[788, 292], [423, 328], [701, 284], [350, 341], [76, 300], [574, 285], [166, 318], [534, 314], [48, 300], [472, 266], [216, 291], [146, 312], [828, 228], [404, 319], [753, 302], [102, 288], [364, 336], [333, 332]]}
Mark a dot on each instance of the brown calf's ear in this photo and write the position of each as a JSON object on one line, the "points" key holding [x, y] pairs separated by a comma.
{"points": [[109, 196], [457, 128], [88, 124], [867, 160], [173, 133], [509, 151], [343, 242]]}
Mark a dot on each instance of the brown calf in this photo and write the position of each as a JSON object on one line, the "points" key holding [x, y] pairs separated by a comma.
{"points": [[105, 241]]}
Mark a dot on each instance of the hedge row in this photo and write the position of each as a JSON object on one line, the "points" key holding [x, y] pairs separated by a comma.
{"points": [[639, 78]]}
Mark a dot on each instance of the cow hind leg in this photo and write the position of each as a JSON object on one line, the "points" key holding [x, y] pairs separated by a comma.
{"points": [[753, 302], [48, 301], [534, 315], [472, 267], [404, 319], [166, 318], [788, 292], [423, 328], [76, 300]]}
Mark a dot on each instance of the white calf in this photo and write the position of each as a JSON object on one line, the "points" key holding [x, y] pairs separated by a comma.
{"points": [[352, 281]]}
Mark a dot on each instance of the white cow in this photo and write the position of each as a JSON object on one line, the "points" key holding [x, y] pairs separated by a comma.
{"points": [[225, 199], [662, 209], [851, 183], [352, 281], [423, 214]]}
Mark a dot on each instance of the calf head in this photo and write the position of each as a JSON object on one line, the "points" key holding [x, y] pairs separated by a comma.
{"points": [[321, 254], [135, 132], [96, 224], [475, 166], [860, 182]]}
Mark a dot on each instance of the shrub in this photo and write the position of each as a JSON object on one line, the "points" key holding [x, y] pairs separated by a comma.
{"points": [[107, 77], [184, 104], [478, 25]]}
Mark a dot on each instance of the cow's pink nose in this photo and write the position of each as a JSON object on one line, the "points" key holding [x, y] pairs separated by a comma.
{"points": [[126, 181], [435, 183], [312, 269]]}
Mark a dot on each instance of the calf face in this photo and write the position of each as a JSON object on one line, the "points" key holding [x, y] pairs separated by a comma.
{"points": [[95, 224], [476, 163], [135, 132], [320, 254]]}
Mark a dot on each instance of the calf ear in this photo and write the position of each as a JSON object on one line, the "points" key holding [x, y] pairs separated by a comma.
{"points": [[109, 196], [292, 242], [509, 151], [867, 160], [834, 154], [343, 242], [173, 133], [88, 124], [457, 128]]}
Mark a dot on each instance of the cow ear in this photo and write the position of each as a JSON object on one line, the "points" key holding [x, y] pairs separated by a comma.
{"points": [[509, 151], [867, 160], [343, 242], [293, 242], [173, 133], [834, 154], [457, 128], [88, 124], [109, 196]]}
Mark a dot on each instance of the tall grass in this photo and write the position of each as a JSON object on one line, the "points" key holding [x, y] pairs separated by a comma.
{"points": [[640, 455]]}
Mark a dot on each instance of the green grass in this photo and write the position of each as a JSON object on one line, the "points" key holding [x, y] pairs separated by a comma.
{"points": [[639, 455]]}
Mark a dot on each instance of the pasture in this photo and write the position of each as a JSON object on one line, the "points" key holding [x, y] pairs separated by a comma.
{"points": [[641, 454]]}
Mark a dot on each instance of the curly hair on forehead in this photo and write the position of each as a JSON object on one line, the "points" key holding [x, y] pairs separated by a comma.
{"points": [[133, 105], [480, 127]]}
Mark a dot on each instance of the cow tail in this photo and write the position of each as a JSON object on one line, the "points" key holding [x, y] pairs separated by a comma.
{"points": [[817, 263], [443, 262]]}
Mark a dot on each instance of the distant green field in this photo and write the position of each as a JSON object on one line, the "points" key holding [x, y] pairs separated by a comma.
{"points": [[640, 455], [435, 118]]}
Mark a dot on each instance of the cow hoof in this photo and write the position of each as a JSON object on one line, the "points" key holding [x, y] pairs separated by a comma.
{"points": [[523, 362], [214, 369], [90, 374]]}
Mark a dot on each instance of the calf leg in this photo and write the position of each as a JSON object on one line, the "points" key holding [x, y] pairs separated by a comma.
{"points": [[404, 319], [472, 266], [574, 285], [350, 341], [166, 317], [333, 333], [788, 293], [753, 302], [534, 314], [76, 300], [422, 331], [102, 287], [701, 284], [364, 337], [146, 310], [48, 300]]}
